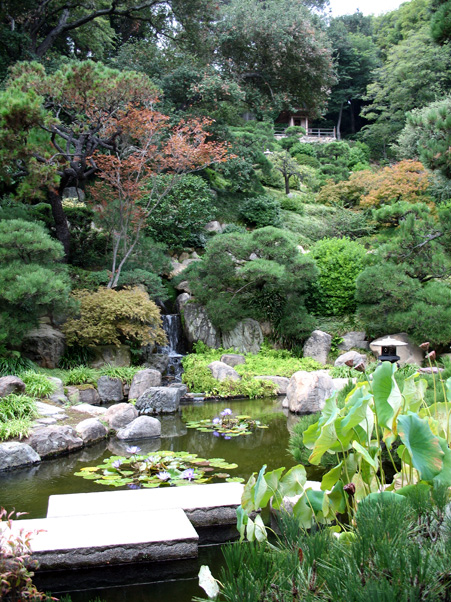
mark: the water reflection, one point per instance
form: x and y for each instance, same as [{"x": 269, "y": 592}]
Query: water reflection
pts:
[{"x": 28, "y": 489}]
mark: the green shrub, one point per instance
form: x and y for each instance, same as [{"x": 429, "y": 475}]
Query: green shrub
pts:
[
  {"x": 261, "y": 211},
  {"x": 16, "y": 415},
  {"x": 125, "y": 373},
  {"x": 292, "y": 203},
  {"x": 33, "y": 282},
  {"x": 110, "y": 317},
  {"x": 339, "y": 261},
  {"x": 81, "y": 375},
  {"x": 37, "y": 385},
  {"x": 13, "y": 363},
  {"x": 181, "y": 215},
  {"x": 304, "y": 159}
]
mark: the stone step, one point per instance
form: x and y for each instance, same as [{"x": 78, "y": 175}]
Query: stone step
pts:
[
  {"x": 100, "y": 539},
  {"x": 205, "y": 505}
]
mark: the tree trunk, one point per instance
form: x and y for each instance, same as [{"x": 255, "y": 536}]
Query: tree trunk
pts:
[
  {"x": 61, "y": 225},
  {"x": 351, "y": 109},
  {"x": 287, "y": 184},
  {"x": 340, "y": 115}
]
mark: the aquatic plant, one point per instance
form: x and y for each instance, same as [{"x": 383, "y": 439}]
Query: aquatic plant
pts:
[
  {"x": 227, "y": 425},
  {"x": 157, "y": 469}
]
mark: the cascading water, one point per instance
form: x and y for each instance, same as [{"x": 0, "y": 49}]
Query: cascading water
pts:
[{"x": 175, "y": 348}]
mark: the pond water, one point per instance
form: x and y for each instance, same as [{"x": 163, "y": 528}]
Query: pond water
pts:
[{"x": 28, "y": 490}]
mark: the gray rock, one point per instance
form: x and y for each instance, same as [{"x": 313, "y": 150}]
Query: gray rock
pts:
[
  {"x": 55, "y": 440},
  {"x": 14, "y": 454},
  {"x": 317, "y": 346},
  {"x": 47, "y": 409},
  {"x": 156, "y": 361},
  {"x": 111, "y": 355},
  {"x": 58, "y": 395},
  {"x": 159, "y": 400},
  {"x": 222, "y": 371},
  {"x": 181, "y": 387},
  {"x": 340, "y": 383},
  {"x": 281, "y": 381},
  {"x": 86, "y": 408},
  {"x": 198, "y": 327},
  {"x": 308, "y": 391},
  {"x": 354, "y": 340},
  {"x": 233, "y": 359},
  {"x": 141, "y": 428},
  {"x": 183, "y": 287},
  {"x": 44, "y": 346},
  {"x": 120, "y": 415},
  {"x": 214, "y": 226},
  {"x": 74, "y": 194},
  {"x": 408, "y": 354},
  {"x": 11, "y": 384},
  {"x": 144, "y": 379},
  {"x": 246, "y": 337},
  {"x": 110, "y": 388},
  {"x": 351, "y": 359},
  {"x": 178, "y": 268},
  {"x": 83, "y": 394},
  {"x": 181, "y": 301},
  {"x": 91, "y": 430}
]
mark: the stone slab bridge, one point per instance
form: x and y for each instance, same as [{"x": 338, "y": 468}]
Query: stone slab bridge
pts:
[{"x": 115, "y": 527}]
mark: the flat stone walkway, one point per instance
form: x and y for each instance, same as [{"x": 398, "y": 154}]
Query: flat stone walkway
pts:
[
  {"x": 205, "y": 505},
  {"x": 83, "y": 541}
]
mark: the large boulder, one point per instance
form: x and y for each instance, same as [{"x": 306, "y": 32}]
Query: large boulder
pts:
[
  {"x": 144, "y": 379},
  {"x": 198, "y": 327},
  {"x": 351, "y": 359},
  {"x": 222, "y": 371},
  {"x": 408, "y": 354},
  {"x": 86, "y": 408},
  {"x": 317, "y": 346},
  {"x": 110, "y": 389},
  {"x": 233, "y": 359},
  {"x": 156, "y": 361},
  {"x": 44, "y": 346},
  {"x": 281, "y": 381},
  {"x": 308, "y": 391},
  {"x": 58, "y": 395},
  {"x": 181, "y": 301},
  {"x": 11, "y": 384},
  {"x": 246, "y": 337},
  {"x": 120, "y": 415},
  {"x": 91, "y": 430},
  {"x": 83, "y": 394},
  {"x": 14, "y": 454},
  {"x": 111, "y": 355},
  {"x": 141, "y": 428},
  {"x": 55, "y": 440},
  {"x": 354, "y": 340},
  {"x": 159, "y": 400}
]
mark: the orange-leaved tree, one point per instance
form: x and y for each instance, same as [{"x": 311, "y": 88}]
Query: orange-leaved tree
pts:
[{"x": 150, "y": 157}]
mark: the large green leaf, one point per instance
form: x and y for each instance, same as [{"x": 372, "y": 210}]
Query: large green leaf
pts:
[
  {"x": 331, "y": 477},
  {"x": 387, "y": 396},
  {"x": 302, "y": 510},
  {"x": 356, "y": 409},
  {"x": 315, "y": 498},
  {"x": 242, "y": 519},
  {"x": 292, "y": 483},
  {"x": 444, "y": 476},
  {"x": 337, "y": 498},
  {"x": 413, "y": 393},
  {"x": 260, "y": 488},
  {"x": 272, "y": 481},
  {"x": 424, "y": 447},
  {"x": 365, "y": 454},
  {"x": 247, "y": 497},
  {"x": 440, "y": 412}
]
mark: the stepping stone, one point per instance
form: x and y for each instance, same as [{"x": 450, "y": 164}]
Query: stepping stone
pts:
[
  {"x": 212, "y": 504},
  {"x": 83, "y": 541}
]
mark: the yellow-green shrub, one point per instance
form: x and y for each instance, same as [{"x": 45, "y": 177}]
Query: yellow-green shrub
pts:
[{"x": 110, "y": 317}]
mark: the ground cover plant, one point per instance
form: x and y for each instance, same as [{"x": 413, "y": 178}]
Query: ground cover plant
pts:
[
  {"x": 267, "y": 362},
  {"x": 227, "y": 425},
  {"x": 157, "y": 469},
  {"x": 17, "y": 412}
]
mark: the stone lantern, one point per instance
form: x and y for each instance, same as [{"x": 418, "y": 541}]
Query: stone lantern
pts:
[{"x": 388, "y": 349}]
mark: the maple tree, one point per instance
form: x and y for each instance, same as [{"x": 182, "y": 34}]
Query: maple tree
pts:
[
  {"x": 129, "y": 187},
  {"x": 52, "y": 124}
]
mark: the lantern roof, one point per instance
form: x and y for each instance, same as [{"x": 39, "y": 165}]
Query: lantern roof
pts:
[{"x": 388, "y": 342}]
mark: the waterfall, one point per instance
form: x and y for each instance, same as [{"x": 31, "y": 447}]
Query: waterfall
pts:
[{"x": 175, "y": 348}]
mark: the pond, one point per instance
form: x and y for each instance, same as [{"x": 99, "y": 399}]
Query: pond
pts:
[{"x": 28, "y": 490}]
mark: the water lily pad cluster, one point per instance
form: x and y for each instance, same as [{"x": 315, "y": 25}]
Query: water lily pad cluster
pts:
[
  {"x": 157, "y": 469},
  {"x": 227, "y": 425}
]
